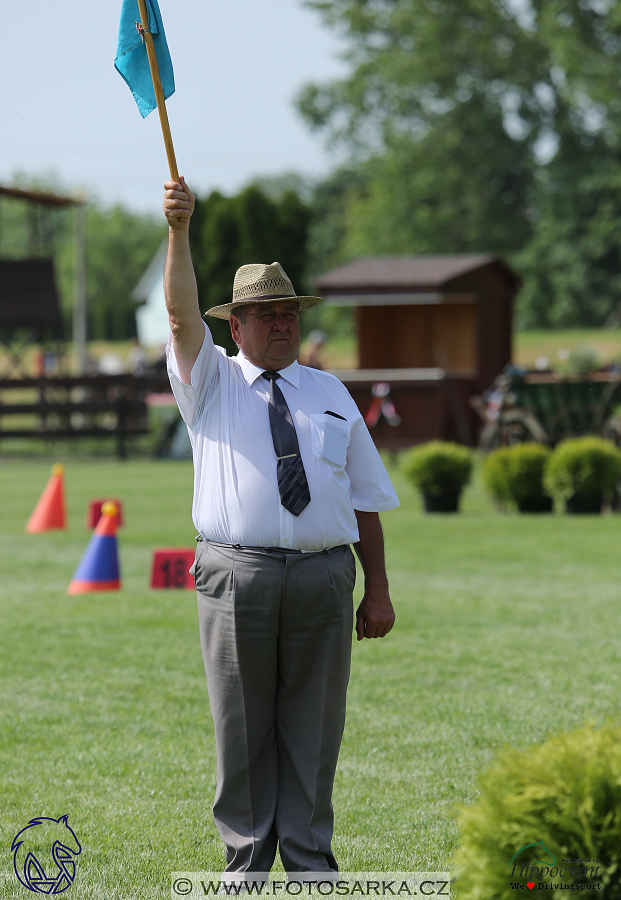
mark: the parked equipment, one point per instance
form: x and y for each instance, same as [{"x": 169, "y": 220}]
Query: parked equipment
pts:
[{"x": 543, "y": 406}]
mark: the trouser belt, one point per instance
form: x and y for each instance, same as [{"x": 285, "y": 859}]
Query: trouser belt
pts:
[{"x": 200, "y": 538}]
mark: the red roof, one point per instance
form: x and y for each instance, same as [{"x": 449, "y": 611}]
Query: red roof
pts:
[{"x": 408, "y": 272}]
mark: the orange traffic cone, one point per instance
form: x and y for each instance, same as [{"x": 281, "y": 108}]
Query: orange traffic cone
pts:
[
  {"x": 99, "y": 567},
  {"x": 50, "y": 512}
]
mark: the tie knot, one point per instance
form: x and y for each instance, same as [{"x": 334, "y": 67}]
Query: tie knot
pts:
[{"x": 270, "y": 375}]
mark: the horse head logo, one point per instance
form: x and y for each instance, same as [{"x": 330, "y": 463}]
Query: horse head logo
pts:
[
  {"x": 44, "y": 855},
  {"x": 538, "y": 847}
]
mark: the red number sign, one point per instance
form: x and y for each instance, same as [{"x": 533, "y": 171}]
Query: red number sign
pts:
[{"x": 171, "y": 568}]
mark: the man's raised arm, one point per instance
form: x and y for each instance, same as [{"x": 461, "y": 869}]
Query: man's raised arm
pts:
[{"x": 180, "y": 288}]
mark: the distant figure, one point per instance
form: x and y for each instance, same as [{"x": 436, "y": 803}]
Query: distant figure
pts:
[
  {"x": 46, "y": 363},
  {"x": 136, "y": 359},
  {"x": 312, "y": 357}
]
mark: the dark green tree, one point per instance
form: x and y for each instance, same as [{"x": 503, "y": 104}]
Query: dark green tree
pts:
[
  {"x": 332, "y": 198},
  {"x": 572, "y": 264},
  {"x": 228, "y": 232}
]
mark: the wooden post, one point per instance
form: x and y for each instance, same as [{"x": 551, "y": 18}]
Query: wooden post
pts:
[
  {"x": 159, "y": 93},
  {"x": 79, "y": 302}
]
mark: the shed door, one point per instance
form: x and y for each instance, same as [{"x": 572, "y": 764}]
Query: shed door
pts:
[
  {"x": 454, "y": 338},
  {"x": 418, "y": 337}
]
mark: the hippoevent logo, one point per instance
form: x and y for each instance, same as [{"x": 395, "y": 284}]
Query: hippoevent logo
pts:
[
  {"x": 45, "y": 855},
  {"x": 537, "y": 848},
  {"x": 546, "y": 874}
]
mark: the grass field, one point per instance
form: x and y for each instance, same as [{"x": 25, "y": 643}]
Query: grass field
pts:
[
  {"x": 528, "y": 345},
  {"x": 507, "y": 629}
]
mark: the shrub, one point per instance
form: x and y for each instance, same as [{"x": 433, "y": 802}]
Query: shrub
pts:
[
  {"x": 439, "y": 467},
  {"x": 566, "y": 794},
  {"x": 496, "y": 474},
  {"x": 514, "y": 475},
  {"x": 583, "y": 467}
]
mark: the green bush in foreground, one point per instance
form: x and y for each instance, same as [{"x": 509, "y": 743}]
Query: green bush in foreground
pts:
[
  {"x": 583, "y": 467},
  {"x": 514, "y": 476},
  {"x": 438, "y": 467},
  {"x": 565, "y": 793}
]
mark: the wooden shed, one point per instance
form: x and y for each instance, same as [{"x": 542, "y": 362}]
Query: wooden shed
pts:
[
  {"x": 29, "y": 304},
  {"x": 436, "y": 329},
  {"x": 28, "y": 296}
]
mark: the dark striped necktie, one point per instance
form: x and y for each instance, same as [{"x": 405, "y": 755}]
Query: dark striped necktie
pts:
[{"x": 292, "y": 484}]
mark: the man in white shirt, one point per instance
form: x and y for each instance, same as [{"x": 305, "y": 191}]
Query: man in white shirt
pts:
[{"x": 286, "y": 478}]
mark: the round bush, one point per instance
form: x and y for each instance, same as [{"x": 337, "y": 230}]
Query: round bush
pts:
[
  {"x": 496, "y": 474},
  {"x": 439, "y": 467},
  {"x": 566, "y": 794},
  {"x": 583, "y": 467},
  {"x": 514, "y": 475}
]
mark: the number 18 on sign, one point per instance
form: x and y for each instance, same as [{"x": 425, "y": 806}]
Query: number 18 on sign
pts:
[{"x": 171, "y": 568}]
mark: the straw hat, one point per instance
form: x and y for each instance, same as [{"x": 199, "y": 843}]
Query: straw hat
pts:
[{"x": 258, "y": 283}]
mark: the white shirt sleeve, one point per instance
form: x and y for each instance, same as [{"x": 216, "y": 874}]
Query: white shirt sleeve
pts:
[
  {"x": 191, "y": 398},
  {"x": 371, "y": 488}
]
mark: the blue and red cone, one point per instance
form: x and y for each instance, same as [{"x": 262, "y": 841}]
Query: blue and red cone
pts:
[{"x": 99, "y": 567}]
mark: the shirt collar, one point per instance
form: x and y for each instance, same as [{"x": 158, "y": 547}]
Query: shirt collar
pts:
[{"x": 252, "y": 372}]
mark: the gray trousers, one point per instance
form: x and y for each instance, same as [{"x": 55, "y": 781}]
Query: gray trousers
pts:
[{"x": 276, "y": 630}]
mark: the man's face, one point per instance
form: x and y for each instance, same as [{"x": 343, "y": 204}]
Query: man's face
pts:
[{"x": 270, "y": 336}]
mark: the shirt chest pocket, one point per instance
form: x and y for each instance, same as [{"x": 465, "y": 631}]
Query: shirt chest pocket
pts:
[{"x": 330, "y": 438}]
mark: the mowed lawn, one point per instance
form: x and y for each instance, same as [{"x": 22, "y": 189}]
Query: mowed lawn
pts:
[{"x": 508, "y": 629}]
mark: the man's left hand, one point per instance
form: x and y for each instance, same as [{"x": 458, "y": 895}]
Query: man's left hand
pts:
[{"x": 375, "y": 616}]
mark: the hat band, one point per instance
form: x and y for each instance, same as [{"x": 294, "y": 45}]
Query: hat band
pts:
[{"x": 263, "y": 297}]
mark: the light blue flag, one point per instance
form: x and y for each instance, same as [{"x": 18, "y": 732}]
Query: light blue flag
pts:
[{"x": 131, "y": 60}]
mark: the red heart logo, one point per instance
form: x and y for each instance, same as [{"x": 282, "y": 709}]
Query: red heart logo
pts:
[{"x": 530, "y": 885}]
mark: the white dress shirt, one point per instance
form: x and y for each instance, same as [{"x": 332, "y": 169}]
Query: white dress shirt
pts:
[{"x": 236, "y": 499}]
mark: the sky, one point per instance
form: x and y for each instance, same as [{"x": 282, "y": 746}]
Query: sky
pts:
[{"x": 238, "y": 65}]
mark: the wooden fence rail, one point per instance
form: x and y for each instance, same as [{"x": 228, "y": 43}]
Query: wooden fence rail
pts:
[{"x": 89, "y": 406}]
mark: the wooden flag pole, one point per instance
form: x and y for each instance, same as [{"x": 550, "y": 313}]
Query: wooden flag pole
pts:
[{"x": 159, "y": 93}]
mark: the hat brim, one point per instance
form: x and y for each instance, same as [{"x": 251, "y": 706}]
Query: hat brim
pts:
[{"x": 225, "y": 310}]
